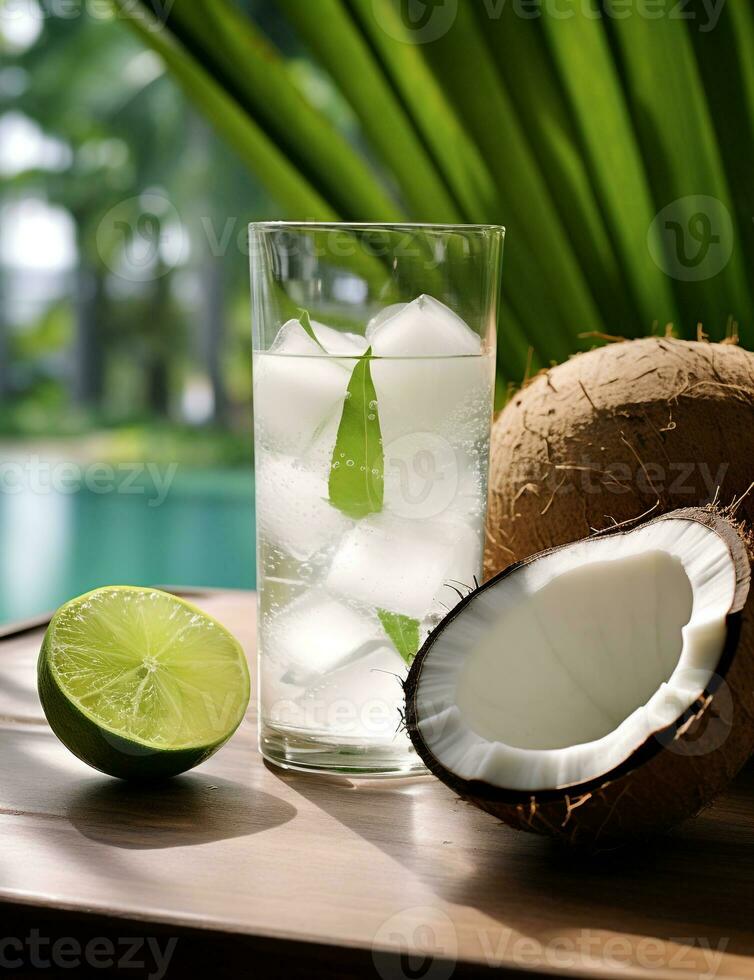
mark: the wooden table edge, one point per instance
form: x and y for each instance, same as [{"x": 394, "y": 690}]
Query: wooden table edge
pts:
[{"x": 208, "y": 943}]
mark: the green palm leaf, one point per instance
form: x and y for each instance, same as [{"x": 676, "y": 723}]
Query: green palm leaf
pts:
[
  {"x": 334, "y": 39},
  {"x": 574, "y": 131},
  {"x": 530, "y": 215},
  {"x": 725, "y": 60},
  {"x": 224, "y": 38},
  {"x": 591, "y": 83},
  {"x": 522, "y": 60},
  {"x": 292, "y": 190},
  {"x": 468, "y": 174},
  {"x": 682, "y": 157}
]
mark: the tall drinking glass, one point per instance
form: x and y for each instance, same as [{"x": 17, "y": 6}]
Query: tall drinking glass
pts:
[{"x": 374, "y": 363}]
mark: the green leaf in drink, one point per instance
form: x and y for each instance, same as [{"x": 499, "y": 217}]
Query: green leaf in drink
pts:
[
  {"x": 403, "y": 631},
  {"x": 306, "y": 322},
  {"x": 357, "y": 469}
]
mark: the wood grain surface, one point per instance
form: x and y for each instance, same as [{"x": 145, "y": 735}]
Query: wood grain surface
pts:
[{"x": 252, "y": 871}]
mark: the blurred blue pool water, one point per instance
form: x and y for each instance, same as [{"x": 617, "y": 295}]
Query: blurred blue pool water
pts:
[{"x": 56, "y": 545}]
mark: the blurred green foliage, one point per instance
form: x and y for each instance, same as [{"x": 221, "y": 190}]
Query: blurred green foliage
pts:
[{"x": 148, "y": 326}]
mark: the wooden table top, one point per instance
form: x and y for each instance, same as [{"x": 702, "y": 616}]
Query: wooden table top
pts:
[{"x": 239, "y": 863}]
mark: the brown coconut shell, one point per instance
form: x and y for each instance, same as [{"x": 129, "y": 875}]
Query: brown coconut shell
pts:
[
  {"x": 674, "y": 774},
  {"x": 634, "y": 428}
]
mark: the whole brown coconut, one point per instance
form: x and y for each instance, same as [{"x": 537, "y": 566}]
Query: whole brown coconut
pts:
[{"x": 638, "y": 427}]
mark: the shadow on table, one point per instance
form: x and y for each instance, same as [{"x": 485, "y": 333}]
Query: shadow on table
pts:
[
  {"x": 692, "y": 887},
  {"x": 382, "y": 811},
  {"x": 179, "y": 812}
]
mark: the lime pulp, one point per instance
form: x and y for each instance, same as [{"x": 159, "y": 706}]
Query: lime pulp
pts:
[{"x": 140, "y": 683}]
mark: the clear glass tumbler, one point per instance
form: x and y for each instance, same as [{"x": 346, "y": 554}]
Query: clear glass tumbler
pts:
[{"x": 374, "y": 364}]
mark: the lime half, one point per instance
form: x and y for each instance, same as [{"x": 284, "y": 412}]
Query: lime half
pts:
[{"x": 141, "y": 684}]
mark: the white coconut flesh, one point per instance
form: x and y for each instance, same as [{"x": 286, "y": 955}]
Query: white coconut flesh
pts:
[{"x": 555, "y": 674}]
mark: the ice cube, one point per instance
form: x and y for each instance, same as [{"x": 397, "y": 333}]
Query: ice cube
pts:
[
  {"x": 293, "y": 511},
  {"x": 385, "y": 314},
  {"x": 423, "y": 328},
  {"x": 448, "y": 396},
  {"x": 362, "y": 699},
  {"x": 318, "y": 455},
  {"x": 343, "y": 344},
  {"x": 297, "y": 389},
  {"x": 293, "y": 339},
  {"x": 464, "y": 571},
  {"x": 424, "y": 376},
  {"x": 401, "y": 565},
  {"x": 317, "y": 634}
]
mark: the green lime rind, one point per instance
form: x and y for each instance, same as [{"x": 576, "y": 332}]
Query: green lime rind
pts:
[
  {"x": 164, "y": 743},
  {"x": 106, "y": 750}
]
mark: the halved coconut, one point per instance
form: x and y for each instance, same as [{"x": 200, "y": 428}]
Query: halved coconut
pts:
[{"x": 600, "y": 690}]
